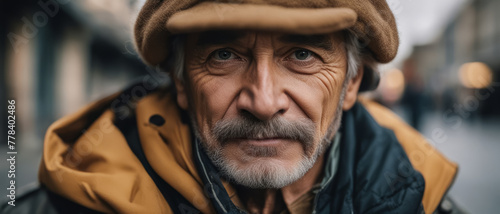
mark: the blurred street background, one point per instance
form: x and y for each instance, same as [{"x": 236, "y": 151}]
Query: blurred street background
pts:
[{"x": 445, "y": 81}]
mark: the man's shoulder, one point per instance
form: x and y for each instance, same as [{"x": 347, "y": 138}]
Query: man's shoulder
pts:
[
  {"x": 437, "y": 171},
  {"x": 95, "y": 142},
  {"x": 377, "y": 167}
]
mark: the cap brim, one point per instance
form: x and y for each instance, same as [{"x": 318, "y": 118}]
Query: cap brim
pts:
[{"x": 225, "y": 16}]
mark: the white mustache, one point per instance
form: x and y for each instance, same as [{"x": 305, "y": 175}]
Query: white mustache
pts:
[{"x": 249, "y": 127}]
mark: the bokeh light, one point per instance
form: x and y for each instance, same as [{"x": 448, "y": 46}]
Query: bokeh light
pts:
[
  {"x": 475, "y": 75},
  {"x": 392, "y": 85}
]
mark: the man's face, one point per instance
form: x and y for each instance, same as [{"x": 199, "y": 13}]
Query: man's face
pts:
[{"x": 266, "y": 105}]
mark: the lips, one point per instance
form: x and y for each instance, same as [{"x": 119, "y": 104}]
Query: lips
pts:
[
  {"x": 271, "y": 138},
  {"x": 260, "y": 138},
  {"x": 260, "y": 141},
  {"x": 261, "y": 147}
]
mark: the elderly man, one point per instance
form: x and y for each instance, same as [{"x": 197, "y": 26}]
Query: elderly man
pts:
[{"x": 262, "y": 117}]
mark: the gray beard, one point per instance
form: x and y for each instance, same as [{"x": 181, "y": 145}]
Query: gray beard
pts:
[{"x": 267, "y": 175}]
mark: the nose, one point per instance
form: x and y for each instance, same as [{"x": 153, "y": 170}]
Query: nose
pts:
[{"x": 263, "y": 93}]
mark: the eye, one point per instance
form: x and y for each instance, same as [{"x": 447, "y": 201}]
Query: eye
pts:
[
  {"x": 223, "y": 54},
  {"x": 302, "y": 54}
]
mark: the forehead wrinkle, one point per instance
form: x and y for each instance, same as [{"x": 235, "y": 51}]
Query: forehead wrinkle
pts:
[
  {"x": 218, "y": 37},
  {"x": 322, "y": 41}
]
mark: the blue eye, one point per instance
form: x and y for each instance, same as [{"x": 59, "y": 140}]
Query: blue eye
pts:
[
  {"x": 302, "y": 54},
  {"x": 223, "y": 54}
]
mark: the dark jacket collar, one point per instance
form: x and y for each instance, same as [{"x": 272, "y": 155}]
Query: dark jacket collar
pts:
[{"x": 374, "y": 174}]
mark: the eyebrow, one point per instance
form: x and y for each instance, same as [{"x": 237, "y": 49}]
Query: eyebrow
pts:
[
  {"x": 318, "y": 41},
  {"x": 218, "y": 37}
]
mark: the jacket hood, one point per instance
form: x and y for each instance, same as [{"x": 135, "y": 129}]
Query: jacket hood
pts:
[{"x": 87, "y": 159}]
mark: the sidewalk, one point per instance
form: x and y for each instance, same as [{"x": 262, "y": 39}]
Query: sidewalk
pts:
[{"x": 475, "y": 146}]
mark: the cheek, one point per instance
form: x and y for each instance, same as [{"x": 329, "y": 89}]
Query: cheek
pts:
[
  {"x": 212, "y": 97},
  {"x": 332, "y": 88},
  {"x": 318, "y": 95}
]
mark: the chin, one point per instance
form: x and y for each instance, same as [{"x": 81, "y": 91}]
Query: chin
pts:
[
  {"x": 269, "y": 171},
  {"x": 265, "y": 173},
  {"x": 263, "y": 167}
]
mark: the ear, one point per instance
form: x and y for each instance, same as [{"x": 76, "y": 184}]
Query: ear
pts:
[
  {"x": 181, "y": 93},
  {"x": 351, "y": 95}
]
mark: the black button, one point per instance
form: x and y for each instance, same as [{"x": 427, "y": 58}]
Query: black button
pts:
[{"x": 157, "y": 120}]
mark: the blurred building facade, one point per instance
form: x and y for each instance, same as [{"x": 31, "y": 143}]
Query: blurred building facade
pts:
[
  {"x": 473, "y": 36},
  {"x": 58, "y": 55}
]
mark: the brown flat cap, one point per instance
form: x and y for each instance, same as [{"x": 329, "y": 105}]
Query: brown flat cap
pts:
[{"x": 371, "y": 20}]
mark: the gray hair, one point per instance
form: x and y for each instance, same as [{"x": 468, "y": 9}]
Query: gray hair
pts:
[{"x": 357, "y": 55}]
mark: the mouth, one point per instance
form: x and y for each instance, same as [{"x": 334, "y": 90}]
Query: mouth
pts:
[
  {"x": 264, "y": 142},
  {"x": 261, "y": 147}
]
